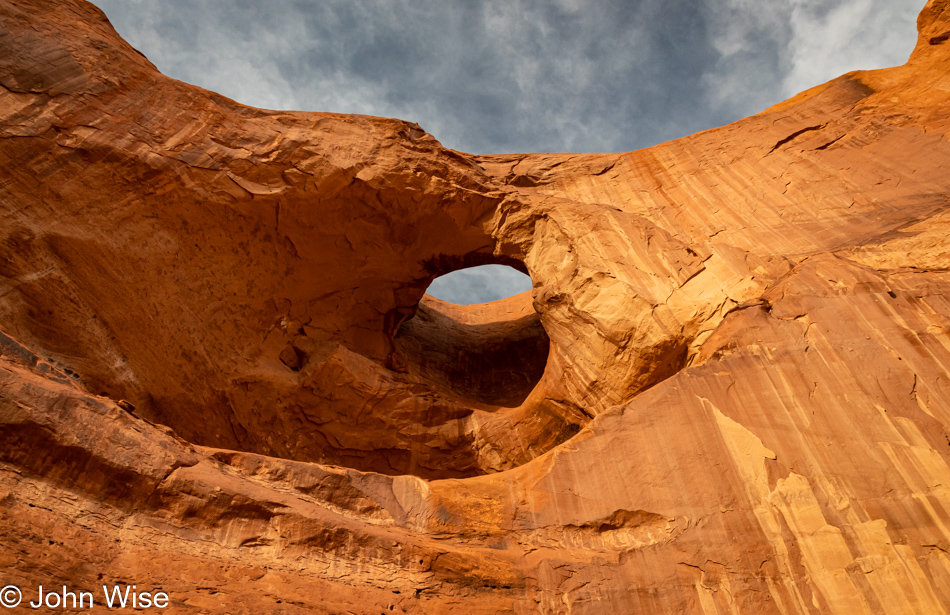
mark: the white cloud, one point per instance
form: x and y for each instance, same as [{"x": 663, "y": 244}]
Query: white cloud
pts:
[
  {"x": 773, "y": 49},
  {"x": 852, "y": 35}
]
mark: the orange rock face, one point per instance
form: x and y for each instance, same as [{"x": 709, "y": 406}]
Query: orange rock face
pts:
[{"x": 220, "y": 377}]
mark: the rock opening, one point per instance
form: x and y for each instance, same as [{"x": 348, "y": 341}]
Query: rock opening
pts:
[
  {"x": 481, "y": 284},
  {"x": 490, "y": 353}
]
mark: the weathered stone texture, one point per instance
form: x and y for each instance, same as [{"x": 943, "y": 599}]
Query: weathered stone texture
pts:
[{"x": 727, "y": 392}]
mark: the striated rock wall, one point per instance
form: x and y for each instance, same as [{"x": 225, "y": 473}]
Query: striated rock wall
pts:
[{"x": 727, "y": 392}]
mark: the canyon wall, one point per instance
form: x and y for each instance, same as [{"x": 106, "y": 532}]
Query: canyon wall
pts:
[{"x": 727, "y": 392}]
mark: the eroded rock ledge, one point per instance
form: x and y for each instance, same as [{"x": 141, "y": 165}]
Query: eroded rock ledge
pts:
[{"x": 727, "y": 391}]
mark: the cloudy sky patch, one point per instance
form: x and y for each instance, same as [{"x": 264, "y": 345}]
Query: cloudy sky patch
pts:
[
  {"x": 496, "y": 76},
  {"x": 479, "y": 284}
]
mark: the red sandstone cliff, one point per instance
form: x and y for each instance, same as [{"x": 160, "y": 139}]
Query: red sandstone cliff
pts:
[{"x": 728, "y": 391}]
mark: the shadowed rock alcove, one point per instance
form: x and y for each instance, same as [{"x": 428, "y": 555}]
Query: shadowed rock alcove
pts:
[{"x": 492, "y": 353}]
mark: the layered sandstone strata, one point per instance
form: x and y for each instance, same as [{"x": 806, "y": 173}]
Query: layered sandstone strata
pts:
[{"x": 727, "y": 392}]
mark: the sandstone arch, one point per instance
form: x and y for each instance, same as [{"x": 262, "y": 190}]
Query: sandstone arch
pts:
[{"x": 744, "y": 407}]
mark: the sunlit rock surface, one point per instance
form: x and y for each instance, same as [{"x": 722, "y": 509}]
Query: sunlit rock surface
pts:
[{"x": 727, "y": 392}]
